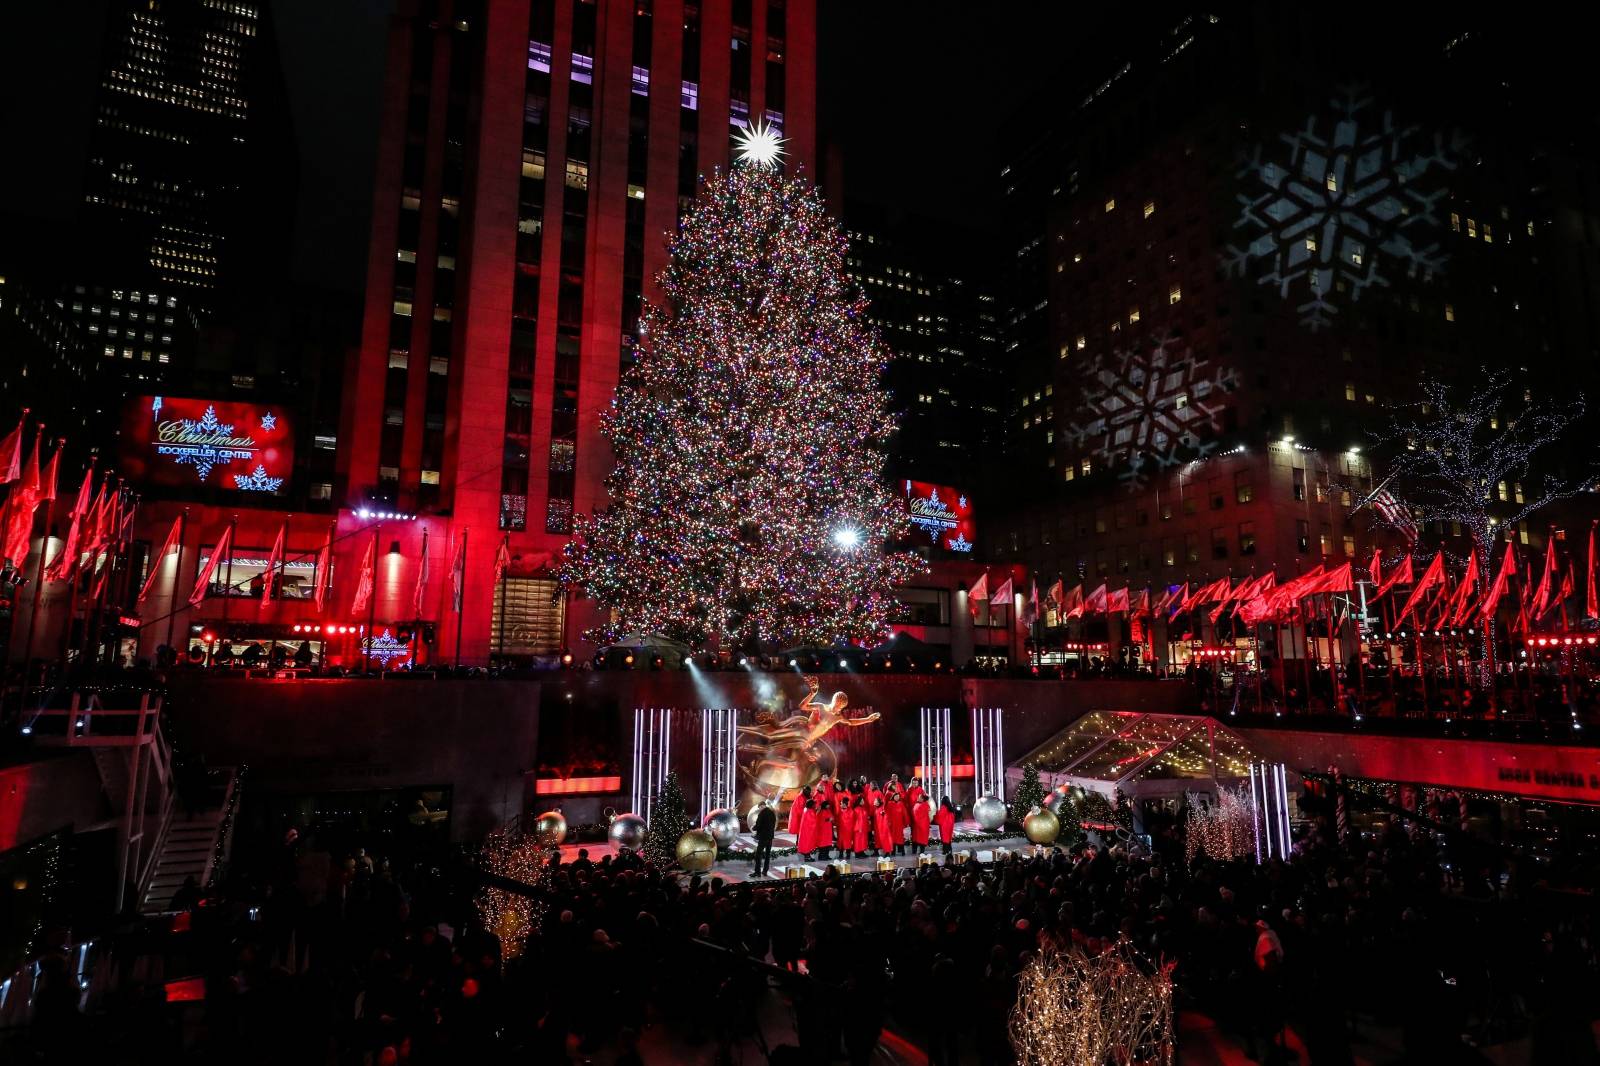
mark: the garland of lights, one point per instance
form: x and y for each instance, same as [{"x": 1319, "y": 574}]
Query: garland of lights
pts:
[
  {"x": 1075, "y": 1008},
  {"x": 512, "y": 854},
  {"x": 748, "y": 502},
  {"x": 224, "y": 827},
  {"x": 1224, "y": 829}
]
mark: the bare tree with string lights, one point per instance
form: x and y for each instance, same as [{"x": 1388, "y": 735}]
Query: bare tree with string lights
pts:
[{"x": 1452, "y": 449}]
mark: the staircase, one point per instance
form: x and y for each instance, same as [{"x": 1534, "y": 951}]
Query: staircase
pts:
[{"x": 190, "y": 849}]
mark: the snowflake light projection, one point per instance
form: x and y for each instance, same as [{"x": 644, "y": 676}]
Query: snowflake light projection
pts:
[
  {"x": 1346, "y": 209},
  {"x": 257, "y": 481},
  {"x": 208, "y": 424},
  {"x": 385, "y": 648},
  {"x": 1143, "y": 412}
]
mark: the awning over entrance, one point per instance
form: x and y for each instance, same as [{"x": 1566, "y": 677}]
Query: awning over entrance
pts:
[{"x": 1143, "y": 754}]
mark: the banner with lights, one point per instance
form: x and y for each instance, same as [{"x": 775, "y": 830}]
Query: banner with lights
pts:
[
  {"x": 941, "y": 515},
  {"x": 183, "y": 442}
]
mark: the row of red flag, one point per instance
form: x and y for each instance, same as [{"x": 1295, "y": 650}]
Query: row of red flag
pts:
[{"x": 1433, "y": 599}]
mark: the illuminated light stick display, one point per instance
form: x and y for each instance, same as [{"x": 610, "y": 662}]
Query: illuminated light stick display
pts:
[
  {"x": 1269, "y": 798},
  {"x": 934, "y": 752},
  {"x": 987, "y": 753},
  {"x": 652, "y": 747},
  {"x": 748, "y": 504}
]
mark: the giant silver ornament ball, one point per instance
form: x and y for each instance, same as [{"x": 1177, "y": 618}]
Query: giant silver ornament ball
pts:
[
  {"x": 627, "y": 832},
  {"x": 723, "y": 824},
  {"x": 1055, "y": 799},
  {"x": 989, "y": 812},
  {"x": 750, "y": 815}
]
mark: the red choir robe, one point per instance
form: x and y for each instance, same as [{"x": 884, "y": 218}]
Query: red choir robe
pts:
[
  {"x": 797, "y": 805},
  {"x": 919, "y": 822},
  {"x": 862, "y": 819},
  {"x": 914, "y": 793},
  {"x": 880, "y": 826},
  {"x": 842, "y": 819},
  {"x": 807, "y": 842},
  {"x": 946, "y": 821},
  {"x": 895, "y": 806},
  {"x": 824, "y": 797}
]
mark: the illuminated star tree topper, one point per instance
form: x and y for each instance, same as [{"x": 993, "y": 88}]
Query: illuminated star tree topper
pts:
[
  {"x": 748, "y": 503},
  {"x": 760, "y": 146}
]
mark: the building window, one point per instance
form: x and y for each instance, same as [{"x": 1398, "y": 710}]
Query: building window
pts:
[
  {"x": 1502, "y": 491},
  {"x": 1080, "y": 342},
  {"x": 1349, "y": 390},
  {"x": 1175, "y": 294},
  {"x": 1219, "y": 543},
  {"x": 1191, "y": 547},
  {"x": 1133, "y": 315},
  {"x": 1302, "y": 536},
  {"x": 1169, "y": 552},
  {"x": 1247, "y": 538},
  {"x": 528, "y": 618},
  {"x": 1349, "y": 545},
  {"x": 1325, "y": 539},
  {"x": 1244, "y": 489},
  {"x": 1086, "y": 467},
  {"x": 1516, "y": 491},
  {"x": 1149, "y": 208},
  {"x": 1449, "y": 312},
  {"x": 1111, "y": 205}
]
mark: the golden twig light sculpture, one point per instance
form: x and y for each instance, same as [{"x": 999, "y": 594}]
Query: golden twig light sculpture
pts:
[{"x": 1076, "y": 1008}]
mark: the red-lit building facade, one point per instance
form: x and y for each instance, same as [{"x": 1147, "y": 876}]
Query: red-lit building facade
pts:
[{"x": 533, "y": 158}]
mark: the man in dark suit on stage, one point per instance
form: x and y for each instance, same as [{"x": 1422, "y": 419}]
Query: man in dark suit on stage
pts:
[{"x": 766, "y": 825}]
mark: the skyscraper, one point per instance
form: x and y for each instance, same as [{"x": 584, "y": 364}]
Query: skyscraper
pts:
[{"x": 533, "y": 158}]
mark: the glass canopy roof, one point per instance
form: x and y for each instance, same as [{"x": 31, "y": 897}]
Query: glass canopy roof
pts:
[{"x": 1118, "y": 747}]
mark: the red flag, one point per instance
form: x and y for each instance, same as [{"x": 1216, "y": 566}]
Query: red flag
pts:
[
  {"x": 269, "y": 580},
  {"x": 1402, "y": 575},
  {"x": 363, "y": 594},
  {"x": 1056, "y": 595},
  {"x": 1547, "y": 589},
  {"x": 1591, "y": 602},
  {"x": 66, "y": 562},
  {"x": 1141, "y": 603},
  {"x": 1118, "y": 601},
  {"x": 1375, "y": 568},
  {"x": 52, "y": 474},
  {"x": 202, "y": 585},
  {"x": 19, "y": 510},
  {"x": 978, "y": 593},
  {"x": 1073, "y": 604},
  {"x": 1432, "y": 576},
  {"x": 1568, "y": 587},
  {"x": 1095, "y": 602},
  {"x": 1002, "y": 595},
  {"x": 324, "y": 571},
  {"x": 1464, "y": 600},
  {"x": 1172, "y": 600},
  {"x": 422, "y": 578},
  {"x": 11, "y": 452},
  {"x": 160, "y": 557},
  {"x": 1508, "y": 570},
  {"x": 1336, "y": 580},
  {"x": 458, "y": 573}
]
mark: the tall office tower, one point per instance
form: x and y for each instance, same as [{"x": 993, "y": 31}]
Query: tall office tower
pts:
[
  {"x": 534, "y": 156},
  {"x": 1260, "y": 230},
  {"x": 941, "y": 327},
  {"x": 187, "y": 179}
]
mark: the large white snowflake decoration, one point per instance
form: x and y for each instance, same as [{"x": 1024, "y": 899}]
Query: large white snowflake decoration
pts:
[
  {"x": 269, "y": 421},
  {"x": 1346, "y": 209},
  {"x": 203, "y": 462},
  {"x": 257, "y": 481},
  {"x": 1142, "y": 412}
]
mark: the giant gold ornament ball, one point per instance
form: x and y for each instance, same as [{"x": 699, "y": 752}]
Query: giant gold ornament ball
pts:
[
  {"x": 1041, "y": 826},
  {"x": 627, "y": 832},
  {"x": 697, "y": 851},
  {"x": 989, "y": 812},
  {"x": 724, "y": 825},
  {"x": 550, "y": 828}
]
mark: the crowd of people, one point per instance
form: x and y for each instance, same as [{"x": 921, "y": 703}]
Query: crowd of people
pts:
[{"x": 353, "y": 960}]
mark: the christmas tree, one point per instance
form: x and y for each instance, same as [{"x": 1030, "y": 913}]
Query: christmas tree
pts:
[
  {"x": 669, "y": 820},
  {"x": 749, "y": 505},
  {"x": 1029, "y": 794}
]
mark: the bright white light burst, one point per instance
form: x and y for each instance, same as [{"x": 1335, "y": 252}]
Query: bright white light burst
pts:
[
  {"x": 847, "y": 537},
  {"x": 760, "y": 145}
]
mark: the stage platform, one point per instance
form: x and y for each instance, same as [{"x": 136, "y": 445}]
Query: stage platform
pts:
[{"x": 737, "y": 871}]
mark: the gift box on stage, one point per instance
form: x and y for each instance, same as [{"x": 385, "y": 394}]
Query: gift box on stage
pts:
[
  {"x": 839, "y": 866},
  {"x": 885, "y": 865},
  {"x": 924, "y": 859},
  {"x": 960, "y": 858},
  {"x": 794, "y": 873}
]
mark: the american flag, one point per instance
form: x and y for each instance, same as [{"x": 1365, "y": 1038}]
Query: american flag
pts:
[{"x": 1395, "y": 513}]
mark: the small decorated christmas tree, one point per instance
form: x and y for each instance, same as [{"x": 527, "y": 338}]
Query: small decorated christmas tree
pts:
[
  {"x": 1029, "y": 794},
  {"x": 669, "y": 820}
]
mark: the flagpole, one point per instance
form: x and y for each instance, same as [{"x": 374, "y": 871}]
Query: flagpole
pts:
[
  {"x": 372, "y": 602},
  {"x": 455, "y": 598},
  {"x": 177, "y": 578},
  {"x": 38, "y": 582}
]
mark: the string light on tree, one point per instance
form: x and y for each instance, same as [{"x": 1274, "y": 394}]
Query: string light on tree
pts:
[
  {"x": 1083, "y": 1006},
  {"x": 748, "y": 502}
]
